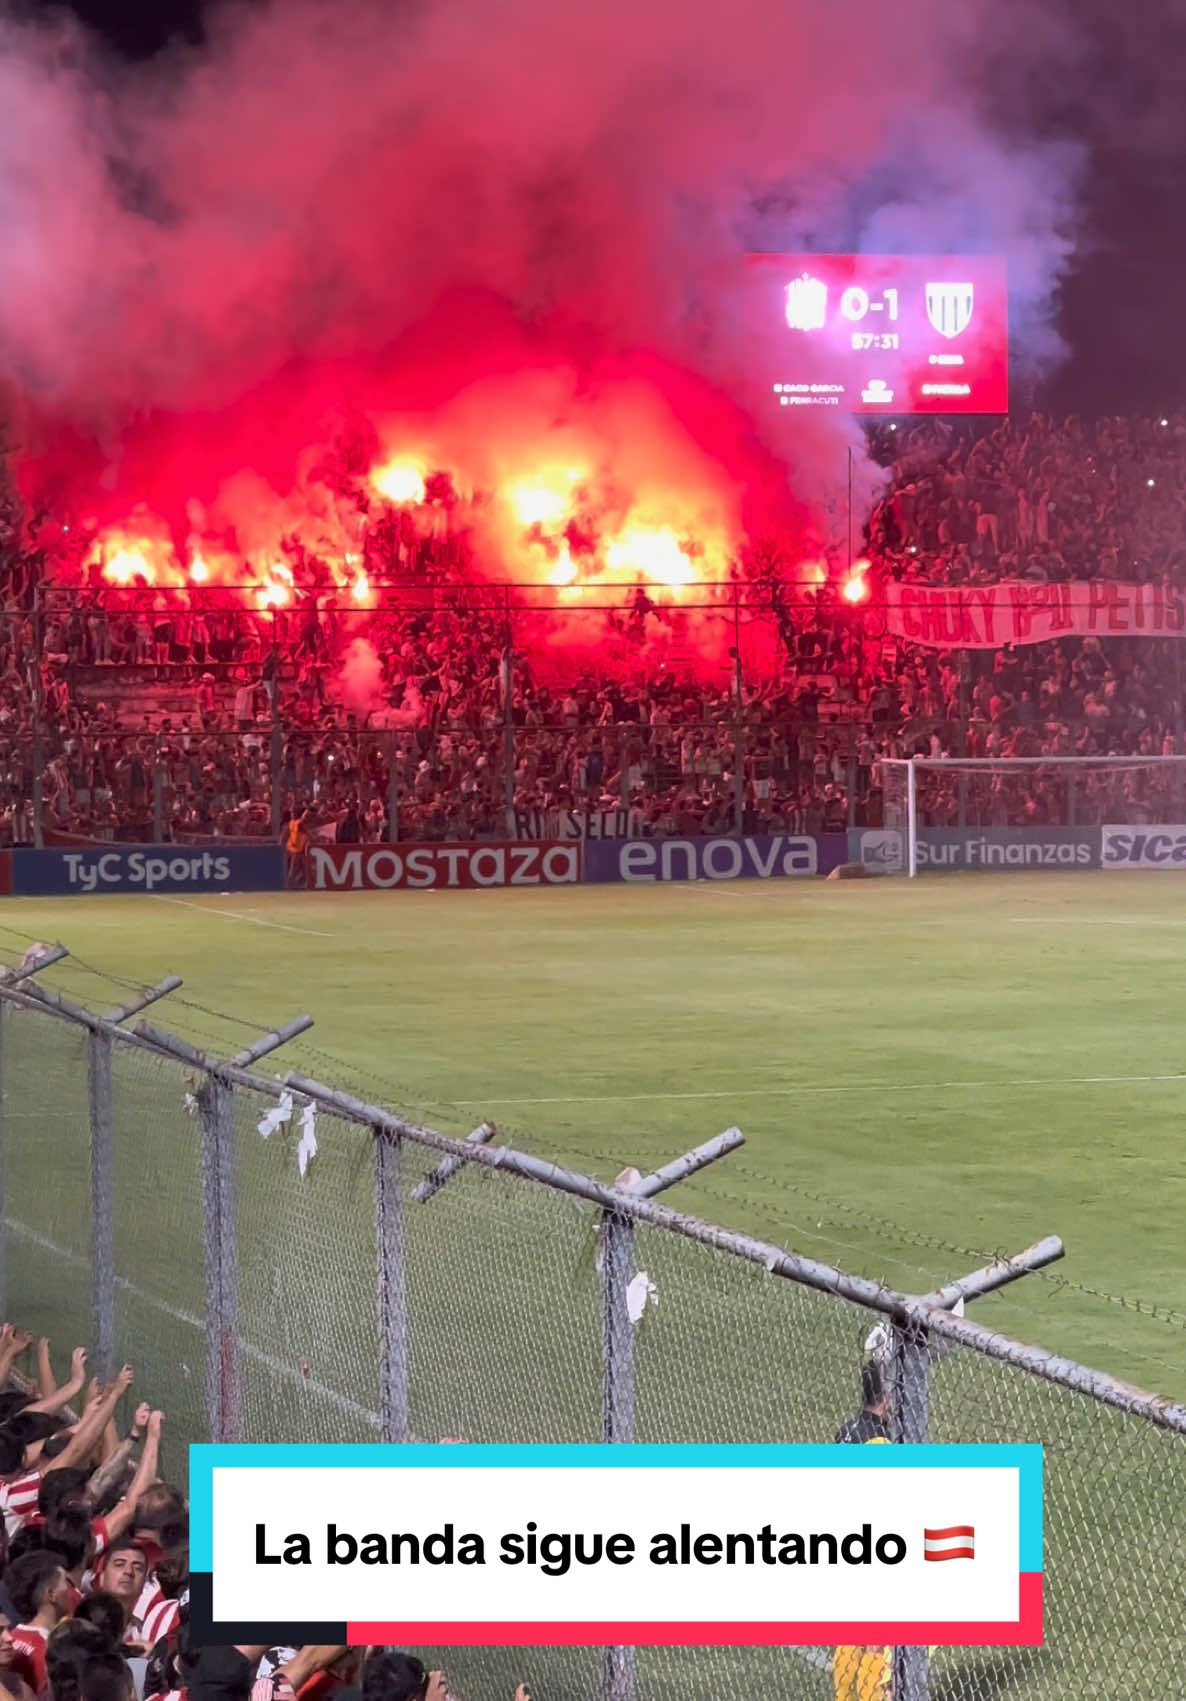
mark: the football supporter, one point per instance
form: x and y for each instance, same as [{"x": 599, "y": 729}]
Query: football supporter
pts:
[
  {"x": 39, "y": 1589},
  {"x": 628, "y": 722},
  {"x": 865, "y": 1674}
]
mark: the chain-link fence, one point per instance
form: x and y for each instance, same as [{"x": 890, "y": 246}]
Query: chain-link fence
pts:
[{"x": 282, "y": 1262}]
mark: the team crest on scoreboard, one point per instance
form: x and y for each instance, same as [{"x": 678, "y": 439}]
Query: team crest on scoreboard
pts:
[
  {"x": 807, "y": 303},
  {"x": 949, "y": 307}
]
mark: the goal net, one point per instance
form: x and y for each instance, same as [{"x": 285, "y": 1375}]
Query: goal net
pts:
[{"x": 934, "y": 808}]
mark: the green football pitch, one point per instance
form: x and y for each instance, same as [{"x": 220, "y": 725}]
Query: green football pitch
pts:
[{"x": 925, "y": 1073}]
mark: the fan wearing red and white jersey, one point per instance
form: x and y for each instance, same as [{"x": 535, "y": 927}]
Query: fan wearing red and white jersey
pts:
[
  {"x": 40, "y": 1591},
  {"x": 22, "y": 1464}
]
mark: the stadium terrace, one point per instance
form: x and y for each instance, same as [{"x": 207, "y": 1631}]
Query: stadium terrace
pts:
[{"x": 442, "y": 704}]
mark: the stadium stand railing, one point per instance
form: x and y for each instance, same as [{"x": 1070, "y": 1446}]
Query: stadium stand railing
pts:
[{"x": 300, "y": 1265}]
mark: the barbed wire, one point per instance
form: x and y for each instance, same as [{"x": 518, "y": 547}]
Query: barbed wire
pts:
[{"x": 402, "y": 1096}]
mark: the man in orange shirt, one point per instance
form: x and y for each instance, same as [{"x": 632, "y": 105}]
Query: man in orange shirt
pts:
[{"x": 296, "y": 845}]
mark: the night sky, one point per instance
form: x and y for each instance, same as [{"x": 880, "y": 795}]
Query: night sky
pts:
[{"x": 1122, "y": 306}]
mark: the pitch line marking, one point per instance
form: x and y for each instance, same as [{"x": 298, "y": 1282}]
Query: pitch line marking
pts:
[
  {"x": 287, "y": 1372},
  {"x": 841, "y": 1087},
  {"x": 243, "y": 915},
  {"x": 1102, "y": 920}
]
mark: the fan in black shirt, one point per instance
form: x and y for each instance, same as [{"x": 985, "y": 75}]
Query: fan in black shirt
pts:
[{"x": 870, "y": 1422}]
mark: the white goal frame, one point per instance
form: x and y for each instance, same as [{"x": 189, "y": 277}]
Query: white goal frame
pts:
[{"x": 910, "y": 766}]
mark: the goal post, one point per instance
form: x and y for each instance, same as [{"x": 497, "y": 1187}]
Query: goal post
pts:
[{"x": 1062, "y": 794}]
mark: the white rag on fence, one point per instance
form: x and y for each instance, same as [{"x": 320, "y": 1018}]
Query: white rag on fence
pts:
[
  {"x": 281, "y": 1113},
  {"x": 640, "y": 1292},
  {"x": 307, "y": 1150}
]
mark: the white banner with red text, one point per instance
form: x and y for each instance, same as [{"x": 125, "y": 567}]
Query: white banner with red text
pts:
[
  {"x": 1014, "y": 611},
  {"x": 436, "y": 867}
]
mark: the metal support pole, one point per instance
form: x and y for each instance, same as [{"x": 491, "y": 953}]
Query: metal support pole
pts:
[
  {"x": 271, "y": 1042},
  {"x": 616, "y": 1256},
  {"x": 150, "y": 995},
  {"x": 393, "y": 757},
  {"x": 617, "y": 1674},
  {"x": 158, "y": 794},
  {"x": 276, "y": 761},
  {"x": 508, "y": 726},
  {"x": 616, "y": 1260},
  {"x": 38, "y": 695},
  {"x": 276, "y": 740},
  {"x": 911, "y": 820},
  {"x": 3, "y": 1163},
  {"x": 617, "y": 1338},
  {"x": 998, "y": 1274},
  {"x": 102, "y": 1203},
  {"x": 10, "y": 977},
  {"x": 909, "y": 1427},
  {"x": 776, "y": 1260},
  {"x": 391, "y": 1293},
  {"x": 432, "y": 1183},
  {"x": 216, "y": 1104},
  {"x": 738, "y": 725},
  {"x": 850, "y": 548},
  {"x": 679, "y": 1169}
]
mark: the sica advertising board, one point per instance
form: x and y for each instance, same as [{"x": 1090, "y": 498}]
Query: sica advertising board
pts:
[
  {"x": 759, "y": 856},
  {"x": 438, "y": 867},
  {"x": 148, "y": 868},
  {"x": 1143, "y": 847},
  {"x": 883, "y": 849}
]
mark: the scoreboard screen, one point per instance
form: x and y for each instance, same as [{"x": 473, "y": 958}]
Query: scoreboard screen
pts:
[{"x": 882, "y": 333}]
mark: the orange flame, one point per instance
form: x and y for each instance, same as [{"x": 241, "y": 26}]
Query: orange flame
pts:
[
  {"x": 401, "y": 482},
  {"x": 856, "y": 587},
  {"x": 126, "y": 565},
  {"x": 651, "y": 553},
  {"x": 537, "y": 503}
]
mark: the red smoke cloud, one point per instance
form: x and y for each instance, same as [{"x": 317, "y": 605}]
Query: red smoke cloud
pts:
[{"x": 498, "y": 237}]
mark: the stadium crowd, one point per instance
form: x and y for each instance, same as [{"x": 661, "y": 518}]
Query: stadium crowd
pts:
[
  {"x": 94, "y": 1563},
  {"x": 434, "y": 716}
]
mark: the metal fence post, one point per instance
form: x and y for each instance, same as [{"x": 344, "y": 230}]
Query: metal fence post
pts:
[
  {"x": 617, "y": 1397},
  {"x": 911, "y": 1392},
  {"x": 3, "y": 1164},
  {"x": 216, "y": 1105},
  {"x": 158, "y": 793},
  {"x": 391, "y": 1287},
  {"x": 102, "y": 1203},
  {"x": 617, "y": 1337},
  {"x": 393, "y": 760}
]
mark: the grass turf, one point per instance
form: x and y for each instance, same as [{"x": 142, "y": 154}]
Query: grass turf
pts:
[{"x": 924, "y": 1073}]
